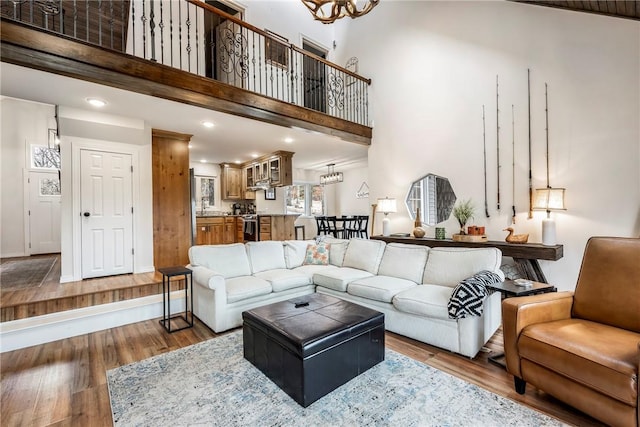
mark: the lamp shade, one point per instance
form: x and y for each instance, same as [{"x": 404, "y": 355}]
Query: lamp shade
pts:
[
  {"x": 387, "y": 205},
  {"x": 550, "y": 199}
]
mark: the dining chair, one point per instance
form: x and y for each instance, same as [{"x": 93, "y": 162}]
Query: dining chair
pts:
[
  {"x": 350, "y": 227},
  {"x": 332, "y": 223},
  {"x": 323, "y": 225},
  {"x": 363, "y": 226}
]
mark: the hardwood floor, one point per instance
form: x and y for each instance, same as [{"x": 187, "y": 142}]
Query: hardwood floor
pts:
[
  {"x": 63, "y": 383},
  {"x": 53, "y": 296}
]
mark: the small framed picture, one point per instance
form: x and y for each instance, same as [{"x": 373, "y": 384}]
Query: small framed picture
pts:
[{"x": 270, "y": 194}]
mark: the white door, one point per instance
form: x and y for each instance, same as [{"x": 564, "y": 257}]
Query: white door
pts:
[
  {"x": 107, "y": 217},
  {"x": 44, "y": 212}
]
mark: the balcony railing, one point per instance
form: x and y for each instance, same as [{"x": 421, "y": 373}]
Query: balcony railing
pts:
[{"x": 200, "y": 39}]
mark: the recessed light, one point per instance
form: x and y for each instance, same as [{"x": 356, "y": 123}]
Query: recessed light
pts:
[
  {"x": 254, "y": 155},
  {"x": 207, "y": 124},
  {"x": 189, "y": 146},
  {"x": 237, "y": 162},
  {"x": 99, "y": 103},
  {"x": 288, "y": 140},
  {"x": 203, "y": 161}
]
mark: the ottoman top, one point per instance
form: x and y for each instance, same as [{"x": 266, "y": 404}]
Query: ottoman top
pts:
[{"x": 312, "y": 323}]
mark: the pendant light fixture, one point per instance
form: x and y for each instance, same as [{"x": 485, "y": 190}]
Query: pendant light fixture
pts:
[
  {"x": 331, "y": 177},
  {"x": 327, "y": 11}
]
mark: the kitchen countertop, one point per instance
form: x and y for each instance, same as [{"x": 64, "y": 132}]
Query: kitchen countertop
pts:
[{"x": 240, "y": 216}]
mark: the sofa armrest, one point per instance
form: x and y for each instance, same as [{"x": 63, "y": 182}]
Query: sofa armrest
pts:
[
  {"x": 209, "y": 279},
  {"x": 518, "y": 313}
]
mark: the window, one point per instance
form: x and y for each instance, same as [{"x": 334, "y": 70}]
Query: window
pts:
[
  {"x": 43, "y": 157},
  {"x": 306, "y": 199},
  {"x": 49, "y": 187}
]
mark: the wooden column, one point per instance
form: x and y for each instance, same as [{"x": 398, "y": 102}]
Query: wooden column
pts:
[{"x": 171, "y": 199}]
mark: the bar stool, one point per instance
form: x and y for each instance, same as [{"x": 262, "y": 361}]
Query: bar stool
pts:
[{"x": 295, "y": 232}]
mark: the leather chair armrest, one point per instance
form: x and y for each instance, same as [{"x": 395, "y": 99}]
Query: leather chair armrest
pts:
[{"x": 520, "y": 312}]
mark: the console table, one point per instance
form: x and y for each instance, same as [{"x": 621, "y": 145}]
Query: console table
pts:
[{"x": 525, "y": 255}]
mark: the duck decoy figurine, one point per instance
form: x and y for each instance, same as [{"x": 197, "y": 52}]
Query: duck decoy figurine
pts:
[{"x": 515, "y": 238}]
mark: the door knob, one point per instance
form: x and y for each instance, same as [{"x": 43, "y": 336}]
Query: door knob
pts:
[{"x": 86, "y": 214}]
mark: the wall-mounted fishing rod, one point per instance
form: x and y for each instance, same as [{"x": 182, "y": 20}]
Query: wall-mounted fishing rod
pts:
[
  {"x": 513, "y": 166},
  {"x": 498, "y": 139},
  {"x": 530, "y": 178},
  {"x": 484, "y": 151}
]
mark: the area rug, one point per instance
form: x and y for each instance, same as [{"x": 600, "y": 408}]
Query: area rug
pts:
[
  {"x": 211, "y": 384},
  {"x": 25, "y": 273}
]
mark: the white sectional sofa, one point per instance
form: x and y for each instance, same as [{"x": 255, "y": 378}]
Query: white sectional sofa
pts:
[{"x": 410, "y": 284}]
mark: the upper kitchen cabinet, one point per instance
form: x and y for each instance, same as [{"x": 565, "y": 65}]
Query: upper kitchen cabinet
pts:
[
  {"x": 231, "y": 182},
  {"x": 272, "y": 170}
]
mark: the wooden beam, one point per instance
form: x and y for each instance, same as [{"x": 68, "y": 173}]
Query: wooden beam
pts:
[{"x": 31, "y": 48}]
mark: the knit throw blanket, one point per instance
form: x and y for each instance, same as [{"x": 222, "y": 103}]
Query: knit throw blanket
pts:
[{"x": 467, "y": 298}]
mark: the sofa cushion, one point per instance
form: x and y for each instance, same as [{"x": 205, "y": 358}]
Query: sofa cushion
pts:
[
  {"x": 338, "y": 278},
  {"x": 228, "y": 260},
  {"x": 266, "y": 255},
  {"x": 244, "y": 287},
  {"x": 310, "y": 270},
  {"x": 338, "y": 249},
  {"x": 317, "y": 254},
  {"x": 283, "y": 279},
  {"x": 424, "y": 300},
  {"x": 379, "y": 288},
  {"x": 364, "y": 254},
  {"x": 601, "y": 357},
  {"x": 450, "y": 266},
  {"x": 404, "y": 261},
  {"x": 294, "y": 252}
]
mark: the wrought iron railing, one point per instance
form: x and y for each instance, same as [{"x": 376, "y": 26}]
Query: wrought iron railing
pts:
[{"x": 200, "y": 39}]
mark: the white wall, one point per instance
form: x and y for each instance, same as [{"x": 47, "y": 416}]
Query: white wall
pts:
[
  {"x": 346, "y": 201},
  {"x": 435, "y": 65},
  {"x": 23, "y": 123},
  {"x": 81, "y": 129}
]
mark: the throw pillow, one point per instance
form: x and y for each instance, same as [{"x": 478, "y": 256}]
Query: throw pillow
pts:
[{"x": 317, "y": 254}]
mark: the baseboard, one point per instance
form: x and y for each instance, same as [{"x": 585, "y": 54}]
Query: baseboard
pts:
[
  {"x": 14, "y": 255},
  {"x": 65, "y": 324},
  {"x": 67, "y": 279},
  {"x": 147, "y": 269}
]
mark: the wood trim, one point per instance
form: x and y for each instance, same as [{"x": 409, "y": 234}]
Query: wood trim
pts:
[
  {"x": 514, "y": 250},
  {"x": 170, "y": 135},
  {"x": 36, "y": 49}
]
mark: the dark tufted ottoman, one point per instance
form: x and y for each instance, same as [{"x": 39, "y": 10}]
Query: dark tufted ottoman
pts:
[{"x": 311, "y": 345}]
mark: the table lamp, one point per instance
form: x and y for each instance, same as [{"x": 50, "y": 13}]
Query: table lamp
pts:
[
  {"x": 549, "y": 199},
  {"x": 386, "y": 206}
]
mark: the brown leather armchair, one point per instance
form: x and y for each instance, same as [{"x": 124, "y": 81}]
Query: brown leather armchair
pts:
[{"x": 583, "y": 347}]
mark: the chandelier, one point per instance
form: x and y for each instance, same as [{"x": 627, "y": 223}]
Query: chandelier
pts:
[
  {"x": 331, "y": 177},
  {"x": 327, "y": 11}
]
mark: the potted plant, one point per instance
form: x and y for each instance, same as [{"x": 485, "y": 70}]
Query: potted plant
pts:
[{"x": 463, "y": 212}]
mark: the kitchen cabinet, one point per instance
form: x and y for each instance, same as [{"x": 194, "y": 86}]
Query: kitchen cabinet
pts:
[
  {"x": 248, "y": 182},
  {"x": 229, "y": 230},
  {"x": 276, "y": 167},
  {"x": 239, "y": 230},
  {"x": 215, "y": 230},
  {"x": 265, "y": 228},
  {"x": 231, "y": 182}
]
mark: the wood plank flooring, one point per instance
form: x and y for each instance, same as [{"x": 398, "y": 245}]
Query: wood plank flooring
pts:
[
  {"x": 63, "y": 383},
  {"x": 54, "y": 296}
]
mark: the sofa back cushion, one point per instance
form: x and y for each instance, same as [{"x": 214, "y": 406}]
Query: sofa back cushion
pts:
[
  {"x": 337, "y": 250},
  {"x": 294, "y": 252},
  {"x": 608, "y": 288},
  {"x": 228, "y": 260},
  {"x": 404, "y": 261},
  {"x": 450, "y": 266},
  {"x": 266, "y": 255},
  {"x": 364, "y": 254}
]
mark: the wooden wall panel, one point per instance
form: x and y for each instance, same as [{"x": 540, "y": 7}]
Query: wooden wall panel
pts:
[{"x": 171, "y": 199}]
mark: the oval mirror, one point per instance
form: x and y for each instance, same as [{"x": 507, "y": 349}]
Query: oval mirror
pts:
[{"x": 435, "y": 198}]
